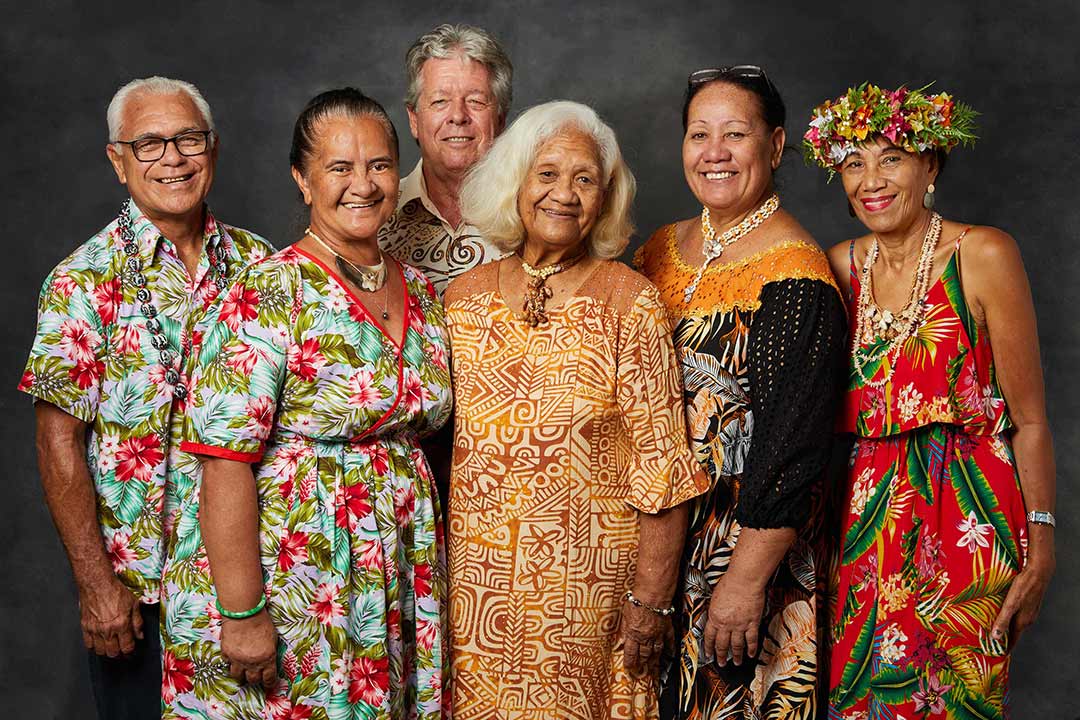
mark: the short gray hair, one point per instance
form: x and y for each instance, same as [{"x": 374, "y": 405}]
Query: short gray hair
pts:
[
  {"x": 474, "y": 43},
  {"x": 155, "y": 85},
  {"x": 489, "y": 195}
]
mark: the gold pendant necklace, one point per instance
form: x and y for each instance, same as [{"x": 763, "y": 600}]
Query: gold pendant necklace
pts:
[
  {"x": 365, "y": 277},
  {"x": 537, "y": 293}
]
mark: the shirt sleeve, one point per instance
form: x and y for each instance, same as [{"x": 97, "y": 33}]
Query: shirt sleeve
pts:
[
  {"x": 238, "y": 365},
  {"x": 67, "y": 359},
  {"x": 795, "y": 364},
  {"x": 663, "y": 471}
]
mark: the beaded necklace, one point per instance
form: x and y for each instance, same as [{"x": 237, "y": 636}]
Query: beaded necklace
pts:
[
  {"x": 713, "y": 247},
  {"x": 132, "y": 274},
  {"x": 873, "y": 322}
]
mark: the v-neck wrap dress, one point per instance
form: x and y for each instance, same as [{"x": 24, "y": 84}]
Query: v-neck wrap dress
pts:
[{"x": 295, "y": 376}]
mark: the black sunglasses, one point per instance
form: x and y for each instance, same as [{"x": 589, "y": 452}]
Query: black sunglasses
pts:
[{"x": 706, "y": 75}]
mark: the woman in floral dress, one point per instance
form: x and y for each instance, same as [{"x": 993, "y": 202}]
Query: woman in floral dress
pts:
[
  {"x": 939, "y": 570},
  {"x": 326, "y": 364},
  {"x": 759, "y": 329}
]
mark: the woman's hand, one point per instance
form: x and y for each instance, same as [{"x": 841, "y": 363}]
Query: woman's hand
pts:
[
  {"x": 732, "y": 624},
  {"x": 250, "y": 646},
  {"x": 1023, "y": 601},
  {"x": 645, "y": 635}
]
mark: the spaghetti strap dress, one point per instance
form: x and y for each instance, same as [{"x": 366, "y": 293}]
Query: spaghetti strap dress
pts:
[{"x": 934, "y": 528}]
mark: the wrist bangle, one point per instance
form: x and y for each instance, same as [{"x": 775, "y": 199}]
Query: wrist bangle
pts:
[
  {"x": 244, "y": 614},
  {"x": 1041, "y": 517},
  {"x": 663, "y": 612}
]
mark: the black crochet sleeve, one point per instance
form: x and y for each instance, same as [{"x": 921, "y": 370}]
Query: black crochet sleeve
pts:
[{"x": 795, "y": 365}]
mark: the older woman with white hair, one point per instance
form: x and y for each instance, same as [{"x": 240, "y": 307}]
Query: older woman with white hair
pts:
[{"x": 571, "y": 465}]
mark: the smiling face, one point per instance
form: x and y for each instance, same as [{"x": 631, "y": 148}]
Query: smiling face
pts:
[
  {"x": 456, "y": 117},
  {"x": 174, "y": 187},
  {"x": 350, "y": 179},
  {"x": 729, "y": 153},
  {"x": 562, "y": 194},
  {"x": 885, "y": 185}
]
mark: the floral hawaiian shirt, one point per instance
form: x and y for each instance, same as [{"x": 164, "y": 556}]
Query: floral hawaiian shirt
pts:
[{"x": 92, "y": 357}]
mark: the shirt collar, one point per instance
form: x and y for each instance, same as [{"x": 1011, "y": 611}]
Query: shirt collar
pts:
[
  {"x": 414, "y": 187},
  {"x": 148, "y": 237}
]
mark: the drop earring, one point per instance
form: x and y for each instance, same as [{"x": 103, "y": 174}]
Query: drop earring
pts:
[{"x": 928, "y": 198}]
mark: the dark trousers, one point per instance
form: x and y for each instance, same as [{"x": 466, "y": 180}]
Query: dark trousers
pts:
[{"x": 129, "y": 687}]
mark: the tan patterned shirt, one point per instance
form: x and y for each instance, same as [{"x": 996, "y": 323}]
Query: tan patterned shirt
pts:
[{"x": 419, "y": 235}]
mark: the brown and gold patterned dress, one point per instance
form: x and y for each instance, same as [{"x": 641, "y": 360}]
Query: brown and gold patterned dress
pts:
[
  {"x": 564, "y": 434},
  {"x": 761, "y": 345}
]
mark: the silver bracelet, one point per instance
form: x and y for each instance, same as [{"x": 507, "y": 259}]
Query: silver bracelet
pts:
[
  {"x": 663, "y": 612},
  {"x": 1041, "y": 517}
]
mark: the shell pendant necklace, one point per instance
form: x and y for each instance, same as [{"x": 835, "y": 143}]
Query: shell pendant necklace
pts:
[
  {"x": 366, "y": 277},
  {"x": 713, "y": 247}
]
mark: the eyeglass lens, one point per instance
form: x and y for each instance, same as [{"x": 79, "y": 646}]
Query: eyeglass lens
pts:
[{"x": 153, "y": 148}]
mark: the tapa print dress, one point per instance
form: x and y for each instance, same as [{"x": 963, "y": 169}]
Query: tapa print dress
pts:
[
  {"x": 761, "y": 347},
  {"x": 299, "y": 379},
  {"x": 934, "y": 531}
]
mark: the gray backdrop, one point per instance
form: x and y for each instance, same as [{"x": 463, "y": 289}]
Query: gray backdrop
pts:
[{"x": 258, "y": 63}]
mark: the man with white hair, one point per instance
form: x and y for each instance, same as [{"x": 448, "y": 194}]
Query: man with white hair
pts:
[
  {"x": 460, "y": 88},
  {"x": 107, "y": 373}
]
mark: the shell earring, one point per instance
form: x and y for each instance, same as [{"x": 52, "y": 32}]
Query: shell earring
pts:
[{"x": 928, "y": 198}]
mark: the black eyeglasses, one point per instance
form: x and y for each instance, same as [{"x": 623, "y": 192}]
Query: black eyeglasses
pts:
[
  {"x": 753, "y": 72},
  {"x": 152, "y": 149}
]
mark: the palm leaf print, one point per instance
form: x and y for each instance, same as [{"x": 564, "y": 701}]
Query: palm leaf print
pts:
[
  {"x": 925, "y": 461},
  {"x": 856, "y": 677},
  {"x": 924, "y": 343},
  {"x": 974, "y": 495},
  {"x": 962, "y": 705},
  {"x": 950, "y": 280},
  {"x": 866, "y": 530},
  {"x": 895, "y": 685},
  {"x": 976, "y": 606}
]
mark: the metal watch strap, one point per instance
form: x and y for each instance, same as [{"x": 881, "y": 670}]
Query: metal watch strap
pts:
[{"x": 1041, "y": 517}]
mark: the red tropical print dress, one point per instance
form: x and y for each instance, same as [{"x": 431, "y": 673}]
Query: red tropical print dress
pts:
[{"x": 934, "y": 530}]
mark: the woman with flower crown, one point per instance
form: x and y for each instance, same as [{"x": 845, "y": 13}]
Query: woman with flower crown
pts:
[
  {"x": 759, "y": 328},
  {"x": 942, "y": 566}
]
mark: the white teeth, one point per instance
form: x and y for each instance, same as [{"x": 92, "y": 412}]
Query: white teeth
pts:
[
  {"x": 458, "y": 139},
  {"x": 170, "y": 181},
  {"x": 718, "y": 175},
  {"x": 357, "y": 206}
]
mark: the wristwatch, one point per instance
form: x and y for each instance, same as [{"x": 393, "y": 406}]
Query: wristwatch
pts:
[{"x": 1041, "y": 517}]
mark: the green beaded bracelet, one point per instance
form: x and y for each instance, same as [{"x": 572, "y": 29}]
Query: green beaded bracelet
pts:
[{"x": 241, "y": 615}]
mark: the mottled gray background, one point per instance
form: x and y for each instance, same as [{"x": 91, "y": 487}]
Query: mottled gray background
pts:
[{"x": 258, "y": 62}]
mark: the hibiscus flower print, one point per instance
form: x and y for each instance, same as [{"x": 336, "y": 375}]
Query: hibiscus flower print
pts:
[
  {"x": 973, "y": 535},
  {"x": 127, "y": 342},
  {"x": 363, "y": 391},
  {"x": 242, "y": 357},
  {"x": 63, "y": 285},
  {"x": 326, "y": 606},
  {"x": 119, "y": 551},
  {"x": 350, "y": 504},
  {"x": 413, "y": 391},
  {"x": 137, "y": 457},
  {"x": 404, "y": 505},
  {"x": 177, "y": 676},
  {"x": 293, "y": 549},
  {"x": 422, "y": 580},
  {"x": 427, "y": 633},
  {"x": 239, "y": 306},
  {"x": 106, "y": 297},
  {"x": 370, "y": 680},
  {"x": 305, "y": 360},
  {"x": 260, "y": 412},
  {"x": 78, "y": 341}
]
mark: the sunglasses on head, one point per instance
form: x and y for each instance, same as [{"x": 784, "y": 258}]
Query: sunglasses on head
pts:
[{"x": 699, "y": 77}]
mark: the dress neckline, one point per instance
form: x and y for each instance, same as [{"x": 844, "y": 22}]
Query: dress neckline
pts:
[
  {"x": 398, "y": 345},
  {"x": 675, "y": 254},
  {"x": 556, "y": 308}
]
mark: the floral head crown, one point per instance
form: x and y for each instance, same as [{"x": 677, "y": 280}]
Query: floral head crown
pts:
[{"x": 910, "y": 119}]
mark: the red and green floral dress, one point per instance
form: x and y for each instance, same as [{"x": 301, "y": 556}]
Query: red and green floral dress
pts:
[
  {"x": 295, "y": 376},
  {"x": 934, "y": 528}
]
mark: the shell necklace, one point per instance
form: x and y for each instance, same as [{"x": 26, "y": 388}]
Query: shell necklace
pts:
[
  {"x": 366, "y": 277},
  {"x": 874, "y": 323},
  {"x": 537, "y": 293},
  {"x": 713, "y": 247},
  {"x": 132, "y": 274}
]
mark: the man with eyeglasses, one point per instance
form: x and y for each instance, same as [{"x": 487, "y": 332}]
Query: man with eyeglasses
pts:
[{"x": 107, "y": 373}]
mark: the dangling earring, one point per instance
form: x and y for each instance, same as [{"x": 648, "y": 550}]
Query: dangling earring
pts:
[
  {"x": 850, "y": 210},
  {"x": 928, "y": 198}
]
